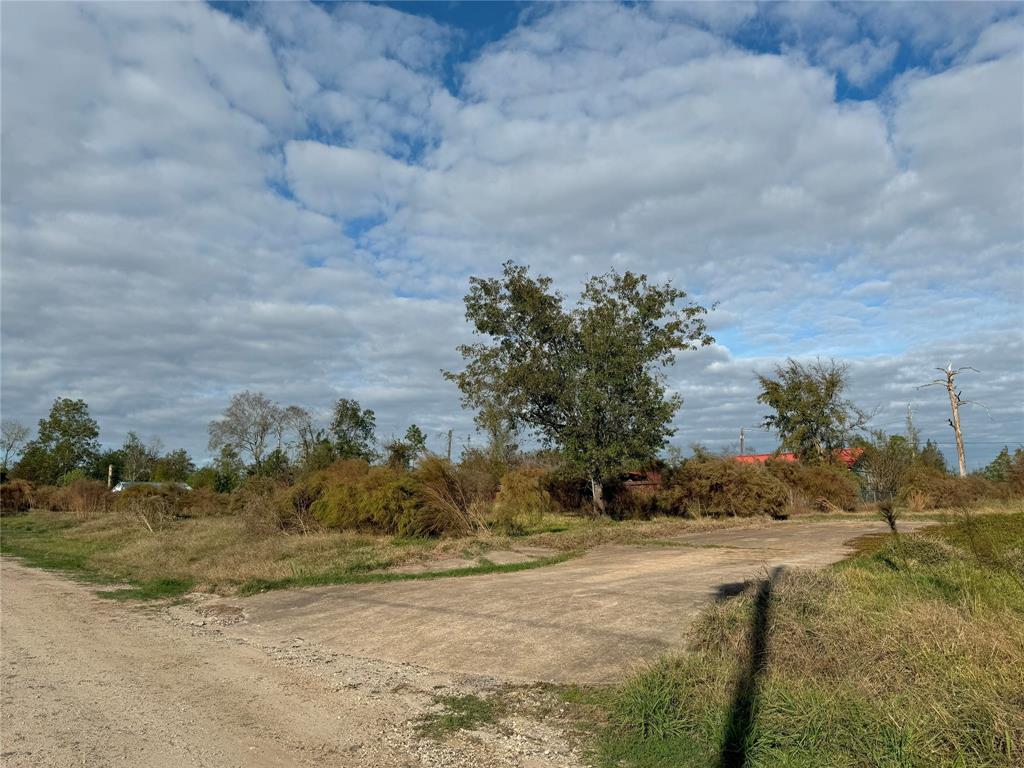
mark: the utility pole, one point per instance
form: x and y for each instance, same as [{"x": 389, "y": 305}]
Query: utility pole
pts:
[
  {"x": 955, "y": 401},
  {"x": 449, "y": 445},
  {"x": 742, "y": 437}
]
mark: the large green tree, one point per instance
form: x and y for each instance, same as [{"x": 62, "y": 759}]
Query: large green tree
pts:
[
  {"x": 585, "y": 379},
  {"x": 67, "y": 440},
  {"x": 811, "y": 415}
]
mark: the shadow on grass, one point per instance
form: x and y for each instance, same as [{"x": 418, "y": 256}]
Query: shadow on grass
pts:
[{"x": 743, "y": 710}]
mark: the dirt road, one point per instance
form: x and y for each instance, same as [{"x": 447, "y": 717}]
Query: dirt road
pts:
[
  {"x": 338, "y": 676},
  {"x": 90, "y": 683},
  {"x": 585, "y": 620}
]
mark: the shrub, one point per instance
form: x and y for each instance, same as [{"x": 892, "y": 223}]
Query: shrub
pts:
[
  {"x": 202, "y": 502},
  {"x": 83, "y": 497},
  {"x": 932, "y": 489},
  {"x": 446, "y": 503},
  {"x": 45, "y": 497},
  {"x": 72, "y": 476},
  {"x": 522, "y": 500},
  {"x": 723, "y": 487},
  {"x": 149, "y": 505},
  {"x": 823, "y": 487},
  {"x": 383, "y": 500},
  {"x": 481, "y": 474},
  {"x": 15, "y": 497},
  {"x": 568, "y": 490}
]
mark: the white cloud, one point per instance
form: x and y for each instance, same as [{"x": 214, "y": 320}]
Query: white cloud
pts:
[{"x": 177, "y": 185}]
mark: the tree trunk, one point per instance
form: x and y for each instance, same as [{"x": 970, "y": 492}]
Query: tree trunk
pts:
[
  {"x": 597, "y": 491},
  {"x": 954, "y": 405}
]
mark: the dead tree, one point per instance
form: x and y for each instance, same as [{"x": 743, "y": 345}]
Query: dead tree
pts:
[{"x": 955, "y": 401}]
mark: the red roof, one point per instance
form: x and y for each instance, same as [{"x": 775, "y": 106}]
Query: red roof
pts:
[{"x": 848, "y": 456}]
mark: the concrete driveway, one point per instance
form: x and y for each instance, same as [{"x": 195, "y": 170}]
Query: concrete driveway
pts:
[{"x": 586, "y": 620}]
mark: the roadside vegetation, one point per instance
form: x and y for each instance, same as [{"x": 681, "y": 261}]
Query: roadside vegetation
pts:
[
  {"x": 910, "y": 654},
  {"x": 292, "y": 498}
]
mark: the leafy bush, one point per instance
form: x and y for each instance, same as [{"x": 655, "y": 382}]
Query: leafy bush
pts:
[
  {"x": 69, "y": 477},
  {"x": 822, "y": 486},
  {"x": 522, "y": 500},
  {"x": 382, "y": 500},
  {"x": 723, "y": 487},
  {"x": 428, "y": 502},
  {"x": 15, "y": 497}
]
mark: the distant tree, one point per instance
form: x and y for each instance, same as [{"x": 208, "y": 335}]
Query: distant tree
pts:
[
  {"x": 998, "y": 470},
  {"x": 588, "y": 379},
  {"x": 111, "y": 459},
  {"x": 138, "y": 459},
  {"x": 811, "y": 415},
  {"x": 67, "y": 440},
  {"x": 931, "y": 457},
  {"x": 352, "y": 428},
  {"x": 223, "y": 475},
  {"x": 401, "y": 454},
  {"x": 398, "y": 454},
  {"x": 299, "y": 422},
  {"x": 276, "y": 465},
  {"x": 417, "y": 440},
  {"x": 252, "y": 425},
  {"x": 13, "y": 437},
  {"x": 173, "y": 467}
]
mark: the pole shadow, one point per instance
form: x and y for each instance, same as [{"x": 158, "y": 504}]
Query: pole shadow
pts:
[{"x": 743, "y": 710}]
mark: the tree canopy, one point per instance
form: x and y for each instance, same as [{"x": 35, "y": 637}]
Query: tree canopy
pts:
[
  {"x": 585, "y": 379},
  {"x": 66, "y": 441},
  {"x": 810, "y": 414},
  {"x": 352, "y": 428}
]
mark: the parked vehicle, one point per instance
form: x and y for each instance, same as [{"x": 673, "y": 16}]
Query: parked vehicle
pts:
[{"x": 126, "y": 484}]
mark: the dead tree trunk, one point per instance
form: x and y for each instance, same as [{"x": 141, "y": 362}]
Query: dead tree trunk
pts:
[
  {"x": 954, "y": 405},
  {"x": 949, "y": 382}
]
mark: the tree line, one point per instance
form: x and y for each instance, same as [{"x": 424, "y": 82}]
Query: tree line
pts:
[{"x": 586, "y": 381}]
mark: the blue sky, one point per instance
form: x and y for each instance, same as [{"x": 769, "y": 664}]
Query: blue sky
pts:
[{"x": 200, "y": 199}]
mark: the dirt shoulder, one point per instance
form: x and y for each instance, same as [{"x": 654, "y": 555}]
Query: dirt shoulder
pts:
[{"x": 90, "y": 682}]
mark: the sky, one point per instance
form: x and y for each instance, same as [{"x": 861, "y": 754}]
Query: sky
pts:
[{"x": 291, "y": 197}]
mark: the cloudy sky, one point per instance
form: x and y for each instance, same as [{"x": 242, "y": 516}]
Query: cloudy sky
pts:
[{"x": 200, "y": 199}]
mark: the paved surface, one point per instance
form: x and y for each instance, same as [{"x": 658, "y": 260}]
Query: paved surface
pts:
[{"x": 586, "y": 620}]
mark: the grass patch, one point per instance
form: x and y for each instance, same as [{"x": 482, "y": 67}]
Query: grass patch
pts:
[
  {"x": 910, "y": 654},
  {"x": 460, "y": 713},
  {"x": 358, "y": 577},
  {"x": 219, "y": 554}
]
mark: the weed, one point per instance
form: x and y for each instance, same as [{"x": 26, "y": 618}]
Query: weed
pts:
[{"x": 460, "y": 713}]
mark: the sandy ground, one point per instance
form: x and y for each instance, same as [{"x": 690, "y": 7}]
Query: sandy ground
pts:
[{"x": 338, "y": 676}]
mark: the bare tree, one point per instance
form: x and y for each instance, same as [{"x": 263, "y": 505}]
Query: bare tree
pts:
[
  {"x": 948, "y": 381},
  {"x": 13, "y": 436},
  {"x": 250, "y": 423},
  {"x": 299, "y": 421}
]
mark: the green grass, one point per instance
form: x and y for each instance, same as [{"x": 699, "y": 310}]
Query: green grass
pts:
[
  {"x": 460, "y": 713},
  {"x": 359, "y": 577},
  {"x": 909, "y": 655},
  {"x": 218, "y": 554}
]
